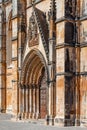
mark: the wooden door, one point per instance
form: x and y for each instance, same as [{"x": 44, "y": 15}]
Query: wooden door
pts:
[
  {"x": 43, "y": 97},
  {"x": 43, "y": 102}
]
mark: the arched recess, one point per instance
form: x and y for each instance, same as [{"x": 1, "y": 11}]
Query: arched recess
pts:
[{"x": 34, "y": 77}]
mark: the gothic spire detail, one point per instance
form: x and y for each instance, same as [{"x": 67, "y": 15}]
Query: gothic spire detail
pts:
[{"x": 52, "y": 12}]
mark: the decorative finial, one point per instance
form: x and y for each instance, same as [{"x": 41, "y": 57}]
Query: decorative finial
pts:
[{"x": 52, "y": 12}]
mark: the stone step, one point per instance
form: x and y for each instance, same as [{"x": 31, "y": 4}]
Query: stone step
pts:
[{"x": 4, "y": 116}]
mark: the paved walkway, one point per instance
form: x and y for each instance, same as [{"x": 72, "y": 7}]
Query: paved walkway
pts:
[
  {"x": 7, "y": 124},
  {"x": 14, "y": 125}
]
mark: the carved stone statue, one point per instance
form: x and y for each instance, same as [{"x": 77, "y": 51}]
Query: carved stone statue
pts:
[{"x": 32, "y": 32}]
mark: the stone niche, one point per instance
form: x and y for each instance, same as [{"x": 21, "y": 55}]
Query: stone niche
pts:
[{"x": 69, "y": 37}]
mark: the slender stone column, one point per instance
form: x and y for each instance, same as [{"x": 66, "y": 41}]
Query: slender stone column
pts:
[
  {"x": 51, "y": 103},
  {"x": 78, "y": 51},
  {"x": 27, "y": 95},
  {"x": 34, "y": 95},
  {"x": 3, "y": 62},
  {"x": 30, "y": 101},
  {"x": 37, "y": 103},
  {"x": 52, "y": 63},
  {"x": 20, "y": 102},
  {"x": 24, "y": 101}
]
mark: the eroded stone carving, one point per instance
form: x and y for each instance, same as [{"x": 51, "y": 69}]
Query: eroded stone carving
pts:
[
  {"x": 70, "y": 8},
  {"x": 32, "y": 32}
]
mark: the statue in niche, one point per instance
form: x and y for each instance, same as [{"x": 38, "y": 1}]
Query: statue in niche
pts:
[{"x": 33, "y": 32}]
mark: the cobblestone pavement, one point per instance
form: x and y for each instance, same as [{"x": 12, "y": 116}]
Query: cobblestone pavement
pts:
[{"x": 15, "y": 125}]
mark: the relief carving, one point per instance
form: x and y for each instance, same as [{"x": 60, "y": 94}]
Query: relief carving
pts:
[{"x": 32, "y": 32}]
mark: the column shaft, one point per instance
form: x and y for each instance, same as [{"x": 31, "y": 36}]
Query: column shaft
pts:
[
  {"x": 37, "y": 105},
  {"x": 30, "y": 102},
  {"x": 34, "y": 95},
  {"x": 20, "y": 103},
  {"x": 27, "y": 95}
]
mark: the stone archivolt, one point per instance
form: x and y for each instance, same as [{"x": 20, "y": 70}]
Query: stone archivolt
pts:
[{"x": 31, "y": 77}]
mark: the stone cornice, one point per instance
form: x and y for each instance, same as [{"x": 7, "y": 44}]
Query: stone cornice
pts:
[
  {"x": 63, "y": 18},
  {"x": 84, "y": 73},
  {"x": 63, "y": 45},
  {"x": 82, "y": 18}
]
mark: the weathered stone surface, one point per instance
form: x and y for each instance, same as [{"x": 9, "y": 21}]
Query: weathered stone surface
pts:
[{"x": 43, "y": 60}]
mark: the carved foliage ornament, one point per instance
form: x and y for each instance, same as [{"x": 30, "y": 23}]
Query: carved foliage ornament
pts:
[{"x": 32, "y": 32}]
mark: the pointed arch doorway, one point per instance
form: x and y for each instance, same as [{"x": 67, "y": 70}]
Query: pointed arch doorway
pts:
[{"x": 34, "y": 85}]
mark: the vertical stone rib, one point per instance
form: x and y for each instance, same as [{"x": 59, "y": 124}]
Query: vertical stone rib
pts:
[
  {"x": 22, "y": 102},
  {"x": 51, "y": 65},
  {"x": 27, "y": 103},
  {"x": 2, "y": 60},
  {"x": 77, "y": 120},
  {"x": 37, "y": 106},
  {"x": 34, "y": 101},
  {"x": 30, "y": 101}
]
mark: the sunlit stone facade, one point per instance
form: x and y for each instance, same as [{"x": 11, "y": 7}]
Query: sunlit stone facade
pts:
[{"x": 43, "y": 60}]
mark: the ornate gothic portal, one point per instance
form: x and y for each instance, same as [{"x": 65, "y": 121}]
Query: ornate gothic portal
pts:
[{"x": 33, "y": 90}]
